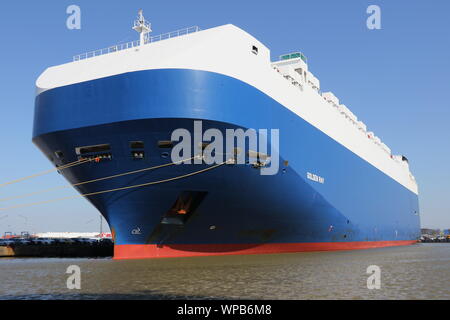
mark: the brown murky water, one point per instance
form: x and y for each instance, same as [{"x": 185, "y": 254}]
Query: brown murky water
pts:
[{"x": 420, "y": 271}]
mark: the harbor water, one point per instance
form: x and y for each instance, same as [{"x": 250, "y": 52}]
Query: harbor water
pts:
[{"x": 420, "y": 271}]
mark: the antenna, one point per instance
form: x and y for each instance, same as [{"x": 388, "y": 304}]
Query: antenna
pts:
[{"x": 142, "y": 26}]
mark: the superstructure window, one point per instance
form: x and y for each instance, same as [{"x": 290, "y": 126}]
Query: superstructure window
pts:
[{"x": 255, "y": 49}]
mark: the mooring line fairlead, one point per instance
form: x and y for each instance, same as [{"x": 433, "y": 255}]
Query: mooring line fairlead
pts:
[{"x": 230, "y": 161}]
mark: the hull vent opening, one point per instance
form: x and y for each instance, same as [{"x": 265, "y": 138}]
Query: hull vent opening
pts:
[
  {"x": 137, "y": 144},
  {"x": 95, "y": 152},
  {"x": 165, "y": 144},
  {"x": 137, "y": 150},
  {"x": 183, "y": 208}
]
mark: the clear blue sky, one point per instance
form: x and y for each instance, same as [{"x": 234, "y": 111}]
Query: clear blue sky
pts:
[{"x": 395, "y": 79}]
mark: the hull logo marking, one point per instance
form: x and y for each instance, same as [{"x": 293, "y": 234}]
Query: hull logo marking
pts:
[
  {"x": 136, "y": 231},
  {"x": 315, "y": 177}
]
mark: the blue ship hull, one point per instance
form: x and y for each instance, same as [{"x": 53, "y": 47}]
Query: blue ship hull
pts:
[{"x": 237, "y": 209}]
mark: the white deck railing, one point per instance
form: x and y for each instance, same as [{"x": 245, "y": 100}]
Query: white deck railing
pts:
[{"x": 136, "y": 43}]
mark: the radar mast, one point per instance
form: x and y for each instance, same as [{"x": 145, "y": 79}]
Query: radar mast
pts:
[{"x": 142, "y": 26}]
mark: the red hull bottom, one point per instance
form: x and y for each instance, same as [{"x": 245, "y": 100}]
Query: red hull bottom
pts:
[{"x": 148, "y": 251}]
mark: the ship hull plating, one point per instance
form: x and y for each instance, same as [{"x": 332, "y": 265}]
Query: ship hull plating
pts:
[{"x": 235, "y": 209}]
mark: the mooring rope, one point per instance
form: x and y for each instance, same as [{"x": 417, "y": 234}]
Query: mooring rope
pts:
[
  {"x": 121, "y": 188},
  {"x": 95, "y": 180},
  {"x": 69, "y": 165}
]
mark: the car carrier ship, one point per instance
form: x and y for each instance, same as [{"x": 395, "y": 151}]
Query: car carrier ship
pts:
[{"x": 112, "y": 112}]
